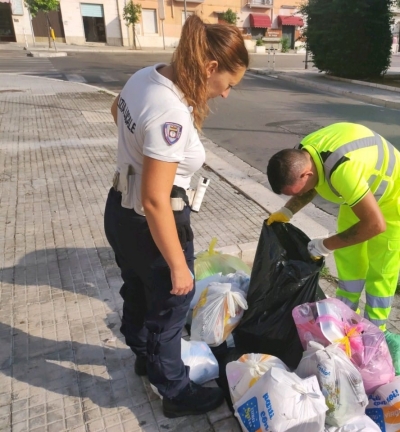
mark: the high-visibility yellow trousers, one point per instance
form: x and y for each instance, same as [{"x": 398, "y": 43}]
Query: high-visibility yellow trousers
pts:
[{"x": 373, "y": 264}]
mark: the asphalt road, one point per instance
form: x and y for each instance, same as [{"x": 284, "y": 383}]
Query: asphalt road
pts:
[
  {"x": 261, "y": 116},
  {"x": 112, "y": 70},
  {"x": 264, "y": 115}
]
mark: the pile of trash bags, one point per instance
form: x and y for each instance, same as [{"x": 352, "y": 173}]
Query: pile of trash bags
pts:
[{"x": 287, "y": 357}]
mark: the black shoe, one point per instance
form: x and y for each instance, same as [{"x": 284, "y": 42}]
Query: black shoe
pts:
[
  {"x": 194, "y": 399},
  {"x": 141, "y": 365}
]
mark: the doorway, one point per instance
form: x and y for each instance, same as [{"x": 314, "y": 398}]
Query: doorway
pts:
[
  {"x": 41, "y": 22},
  {"x": 93, "y": 22},
  {"x": 7, "y": 33},
  {"x": 288, "y": 32}
]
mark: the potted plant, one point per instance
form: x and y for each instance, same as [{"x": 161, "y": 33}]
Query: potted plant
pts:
[
  {"x": 259, "y": 47},
  {"x": 285, "y": 44}
]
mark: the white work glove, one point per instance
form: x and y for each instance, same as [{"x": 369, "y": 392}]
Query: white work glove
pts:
[
  {"x": 317, "y": 249},
  {"x": 282, "y": 215}
]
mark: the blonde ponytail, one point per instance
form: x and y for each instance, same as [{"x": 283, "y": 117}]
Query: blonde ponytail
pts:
[{"x": 199, "y": 44}]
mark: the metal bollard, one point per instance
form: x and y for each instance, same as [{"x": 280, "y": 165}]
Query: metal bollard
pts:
[{"x": 273, "y": 62}]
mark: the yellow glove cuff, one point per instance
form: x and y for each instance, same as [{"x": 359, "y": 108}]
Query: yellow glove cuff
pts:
[{"x": 282, "y": 215}]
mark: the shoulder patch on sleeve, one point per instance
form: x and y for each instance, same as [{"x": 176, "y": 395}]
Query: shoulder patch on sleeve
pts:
[{"x": 172, "y": 132}]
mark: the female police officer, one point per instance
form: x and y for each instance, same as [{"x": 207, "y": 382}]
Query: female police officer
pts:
[{"x": 158, "y": 114}]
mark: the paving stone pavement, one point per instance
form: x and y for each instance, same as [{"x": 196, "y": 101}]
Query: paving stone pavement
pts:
[{"x": 64, "y": 364}]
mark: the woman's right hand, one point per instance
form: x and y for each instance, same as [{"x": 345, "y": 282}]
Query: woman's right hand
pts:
[{"x": 182, "y": 281}]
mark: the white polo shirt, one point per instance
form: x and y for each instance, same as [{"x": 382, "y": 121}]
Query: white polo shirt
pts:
[{"x": 154, "y": 120}]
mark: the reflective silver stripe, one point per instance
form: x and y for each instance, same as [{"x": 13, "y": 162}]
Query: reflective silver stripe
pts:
[
  {"x": 378, "y": 302},
  {"x": 381, "y": 190},
  {"x": 334, "y": 157},
  {"x": 389, "y": 171},
  {"x": 392, "y": 159},
  {"x": 377, "y": 322},
  {"x": 353, "y": 286},
  {"x": 347, "y": 302}
]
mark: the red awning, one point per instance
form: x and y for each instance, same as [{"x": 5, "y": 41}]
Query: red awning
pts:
[
  {"x": 290, "y": 20},
  {"x": 260, "y": 20}
]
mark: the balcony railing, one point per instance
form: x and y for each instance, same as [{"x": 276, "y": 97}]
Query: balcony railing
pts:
[{"x": 259, "y": 3}]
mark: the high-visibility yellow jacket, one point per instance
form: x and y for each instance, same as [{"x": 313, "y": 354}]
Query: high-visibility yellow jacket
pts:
[{"x": 352, "y": 160}]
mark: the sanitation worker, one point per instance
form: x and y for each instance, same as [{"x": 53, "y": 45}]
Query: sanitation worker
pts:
[{"x": 353, "y": 166}]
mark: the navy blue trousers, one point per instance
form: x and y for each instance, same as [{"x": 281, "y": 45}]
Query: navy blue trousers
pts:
[{"x": 153, "y": 319}]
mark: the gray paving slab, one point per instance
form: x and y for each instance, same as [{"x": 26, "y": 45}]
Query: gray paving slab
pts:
[{"x": 63, "y": 362}]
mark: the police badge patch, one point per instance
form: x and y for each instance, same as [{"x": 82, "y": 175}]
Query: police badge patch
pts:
[{"x": 172, "y": 132}]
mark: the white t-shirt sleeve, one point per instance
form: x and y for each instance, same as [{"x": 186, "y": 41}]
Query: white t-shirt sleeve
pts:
[{"x": 166, "y": 137}]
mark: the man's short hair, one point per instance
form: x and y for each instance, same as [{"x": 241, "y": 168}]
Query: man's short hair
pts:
[{"x": 284, "y": 168}]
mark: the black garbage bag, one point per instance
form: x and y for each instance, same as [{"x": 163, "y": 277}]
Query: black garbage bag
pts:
[{"x": 283, "y": 276}]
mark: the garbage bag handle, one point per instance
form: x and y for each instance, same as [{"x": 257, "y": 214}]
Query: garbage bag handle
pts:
[{"x": 235, "y": 298}]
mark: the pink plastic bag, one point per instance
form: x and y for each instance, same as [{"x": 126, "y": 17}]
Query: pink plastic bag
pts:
[{"x": 331, "y": 321}]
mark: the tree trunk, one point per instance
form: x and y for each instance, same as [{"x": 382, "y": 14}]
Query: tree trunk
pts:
[{"x": 134, "y": 36}]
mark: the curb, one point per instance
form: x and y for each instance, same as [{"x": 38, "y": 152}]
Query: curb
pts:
[
  {"x": 101, "y": 89},
  {"x": 364, "y": 83},
  {"x": 330, "y": 88},
  {"x": 155, "y": 50},
  {"x": 46, "y": 54}
]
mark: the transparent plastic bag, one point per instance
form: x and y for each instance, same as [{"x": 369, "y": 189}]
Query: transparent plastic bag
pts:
[
  {"x": 240, "y": 280},
  {"x": 210, "y": 262},
  {"x": 202, "y": 362},
  {"x": 217, "y": 313},
  {"x": 339, "y": 380},
  {"x": 331, "y": 321},
  {"x": 202, "y": 285},
  {"x": 280, "y": 401},
  {"x": 245, "y": 372}
]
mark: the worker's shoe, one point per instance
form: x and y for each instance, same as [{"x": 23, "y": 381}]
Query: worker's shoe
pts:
[
  {"x": 393, "y": 341},
  {"x": 194, "y": 399},
  {"x": 141, "y": 365}
]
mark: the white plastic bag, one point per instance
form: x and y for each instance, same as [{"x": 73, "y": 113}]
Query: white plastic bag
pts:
[
  {"x": 202, "y": 285},
  {"x": 384, "y": 406},
  {"x": 217, "y": 313},
  {"x": 202, "y": 362},
  {"x": 340, "y": 381},
  {"x": 245, "y": 372},
  {"x": 357, "y": 424},
  {"x": 280, "y": 401},
  {"x": 239, "y": 278}
]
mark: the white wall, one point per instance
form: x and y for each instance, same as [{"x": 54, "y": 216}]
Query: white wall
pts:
[
  {"x": 73, "y": 24},
  {"x": 21, "y": 23}
]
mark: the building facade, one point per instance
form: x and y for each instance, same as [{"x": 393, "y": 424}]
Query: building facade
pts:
[{"x": 83, "y": 22}]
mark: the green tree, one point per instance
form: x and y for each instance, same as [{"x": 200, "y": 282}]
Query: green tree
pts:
[
  {"x": 131, "y": 14},
  {"x": 44, "y": 6},
  {"x": 349, "y": 39},
  {"x": 230, "y": 17}
]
